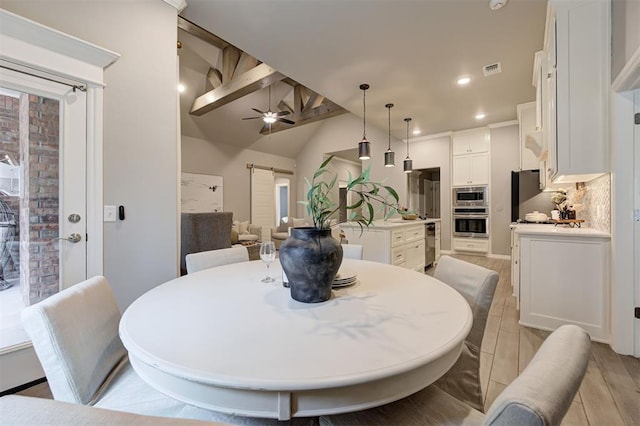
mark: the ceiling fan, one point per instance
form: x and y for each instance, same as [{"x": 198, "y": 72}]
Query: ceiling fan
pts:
[{"x": 270, "y": 117}]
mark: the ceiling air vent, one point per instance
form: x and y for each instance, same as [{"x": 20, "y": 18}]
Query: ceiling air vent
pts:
[{"x": 491, "y": 69}]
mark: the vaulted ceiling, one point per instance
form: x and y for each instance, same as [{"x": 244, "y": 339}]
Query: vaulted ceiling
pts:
[{"x": 410, "y": 52}]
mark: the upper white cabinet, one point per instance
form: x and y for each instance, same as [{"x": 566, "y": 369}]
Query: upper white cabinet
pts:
[
  {"x": 528, "y": 129},
  {"x": 470, "y": 161},
  {"x": 577, "y": 56},
  {"x": 470, "y": 169},
  {"x": 470, "y": 142}
]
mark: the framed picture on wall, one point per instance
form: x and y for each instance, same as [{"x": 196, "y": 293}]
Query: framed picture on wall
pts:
[{"x": 201, "y": 193}]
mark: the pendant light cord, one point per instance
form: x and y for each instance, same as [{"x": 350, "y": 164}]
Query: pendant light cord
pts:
[
  {"x": 364, "y": 114},
  {"x": 407, "y": 120},
  {"x": 389, "y": 107}
]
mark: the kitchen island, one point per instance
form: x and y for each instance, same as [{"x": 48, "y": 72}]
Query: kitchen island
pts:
[
  {"x": 561, "y": 276},
  {"x": 395, "y": 241}
]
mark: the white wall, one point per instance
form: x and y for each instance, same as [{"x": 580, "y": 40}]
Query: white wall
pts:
[
  {"x": 625, "y": 33},
  {"x": 140, "y": 126},
  {"x": 201, "y": 156},
  {"x": 341, "y": 133},
  {"x": 505, "y": 157}
]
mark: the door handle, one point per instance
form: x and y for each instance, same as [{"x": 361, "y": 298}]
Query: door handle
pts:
[{"x": 73, "y": 238}]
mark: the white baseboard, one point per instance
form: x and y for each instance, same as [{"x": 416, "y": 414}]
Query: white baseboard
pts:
[{"x": 500, "y": 256}]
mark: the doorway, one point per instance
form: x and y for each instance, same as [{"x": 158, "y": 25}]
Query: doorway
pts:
[
  {"x": 283, "y": 189},
  {"x": 42, "y": 198},
  {"x": 426, "y": 192}
]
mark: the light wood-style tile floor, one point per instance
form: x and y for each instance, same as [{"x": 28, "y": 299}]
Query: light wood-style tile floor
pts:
[{"x": 609, "y": 394}]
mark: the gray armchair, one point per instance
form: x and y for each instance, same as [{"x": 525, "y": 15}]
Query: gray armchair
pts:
[
  {"x": 540, "y": 396},
  {"x": 477, "y": 285},
  {"x": 203, "y": 232}
]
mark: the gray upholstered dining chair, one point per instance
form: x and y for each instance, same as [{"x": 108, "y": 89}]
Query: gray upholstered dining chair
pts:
[
  {"x": 75, "y": 336},
  {"x": 352, "y": 251},
  {"x": 212, "y": 258},
  {"x": 477, "y": 285},
  {"x": 540, "y": 395}
]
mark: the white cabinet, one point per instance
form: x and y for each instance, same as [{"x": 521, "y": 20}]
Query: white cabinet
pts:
[
  {"x": 527, "y": 126},
  {"x": 564, "y": 279},
  {"x": 577, "y": 47},
  {"x": 400, "y": 244},
  {"x": 472, "y": 169},
  {"x": 470, "y": 141},
  {"x": 515, "y": 265},
  {"x": 437, "y": 242},
  {"x": 475, "y": 245}
]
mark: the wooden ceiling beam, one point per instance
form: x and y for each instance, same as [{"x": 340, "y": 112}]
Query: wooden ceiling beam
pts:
[
  {"x": 255, "y": 79},
  {"x": 214, "y": 77},
  {"x": 201, "y": 33},
  {"x": 245, "y": 63},
  {"x": 230, "y": 57}
]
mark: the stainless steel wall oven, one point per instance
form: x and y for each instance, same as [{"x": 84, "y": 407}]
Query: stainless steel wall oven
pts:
[{"x": 471, "y": 222}]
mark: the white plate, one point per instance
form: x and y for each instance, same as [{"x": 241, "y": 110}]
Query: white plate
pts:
[
  {"x": 344, "y": 274},
  {"x": 344, "y": 284}
]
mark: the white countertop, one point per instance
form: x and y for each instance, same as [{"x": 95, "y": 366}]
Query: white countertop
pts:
[
  {"x": 391, "y": 223},
  {"x": 559, "y": 230}
]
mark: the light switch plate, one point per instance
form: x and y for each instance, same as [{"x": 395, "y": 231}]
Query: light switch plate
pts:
[{"x": 109, "y": 213}]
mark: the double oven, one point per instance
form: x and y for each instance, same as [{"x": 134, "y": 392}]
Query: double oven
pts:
[{"x": 471, "y": 212}]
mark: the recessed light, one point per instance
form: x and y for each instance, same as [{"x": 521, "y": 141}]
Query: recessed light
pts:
[
  {"x": 463, "y": 81},
  {"x": 181, "y": 88},
  {"x": 480, "y": 116},
  {"x": 416, "y": 132}
]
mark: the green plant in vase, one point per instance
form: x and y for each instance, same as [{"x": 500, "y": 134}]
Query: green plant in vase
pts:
[{"x": 311, "y": 257}]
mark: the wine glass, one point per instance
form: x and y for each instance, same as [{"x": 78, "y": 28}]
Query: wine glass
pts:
[{"x": 268, "y": 255}]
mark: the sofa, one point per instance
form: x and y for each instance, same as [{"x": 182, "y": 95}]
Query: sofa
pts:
[
  {"x": 243, "y": 232},
  {"x": 281, "y": 232}
]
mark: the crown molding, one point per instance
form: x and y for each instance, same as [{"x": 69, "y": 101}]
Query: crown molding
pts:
[{"x": 178, "y": 4}]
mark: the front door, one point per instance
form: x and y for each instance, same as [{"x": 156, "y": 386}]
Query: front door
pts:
[{"x": 42, "y": 206}]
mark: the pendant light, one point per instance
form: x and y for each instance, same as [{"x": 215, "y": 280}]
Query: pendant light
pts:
[
  {"x": 408, "y": 164},
  {"x": 364, "y": 147},
  {"x": 389, "y": 156}
]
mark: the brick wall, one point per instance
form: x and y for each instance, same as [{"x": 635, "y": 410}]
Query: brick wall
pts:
[{"x": 41, "y": 211}]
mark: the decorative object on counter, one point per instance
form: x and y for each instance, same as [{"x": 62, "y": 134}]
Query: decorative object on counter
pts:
[
  {"x": 407, "y": 214},
  {"x": 311, "y": 257},
  {"x": 536, "y": 217},
  {"x": 571, "y": 213},
  {"x": 555, "y": 214},
  {"x": 389, "y": 156},
  {"x": 407, "y": 163},
  {"x": 559, "y": 198},
  {"x": 571, "y": 222},
  {"x": 364, "y": 146}
]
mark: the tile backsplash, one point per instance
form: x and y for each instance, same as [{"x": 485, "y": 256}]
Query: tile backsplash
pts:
[{"x": 592, "y": 202}]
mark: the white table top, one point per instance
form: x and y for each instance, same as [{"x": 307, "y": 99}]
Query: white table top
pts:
[{"x": 225, "y": 328}]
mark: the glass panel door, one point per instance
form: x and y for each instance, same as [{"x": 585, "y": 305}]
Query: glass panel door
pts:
[{"x": 42, "y": 195}]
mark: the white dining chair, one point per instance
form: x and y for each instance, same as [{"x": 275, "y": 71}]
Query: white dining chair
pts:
[
  {"x": 540, "y": 396},
  {"x": 352, "y": 251},
  {"x": 477, "y": 285},
  {"x": 75, "y": 336},
  {"x": 212, "y": 258}
]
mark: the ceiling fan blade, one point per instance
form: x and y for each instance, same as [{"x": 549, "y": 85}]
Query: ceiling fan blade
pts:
[
  {"x": 258, "y": 111},
  {"x": 281, "y": 113},
  {"x": 250, "y": 118},
  {"x": 284, "y": 120}
]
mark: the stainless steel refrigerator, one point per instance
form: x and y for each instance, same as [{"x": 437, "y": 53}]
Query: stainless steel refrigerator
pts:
[{"x": 526, "y": 196}]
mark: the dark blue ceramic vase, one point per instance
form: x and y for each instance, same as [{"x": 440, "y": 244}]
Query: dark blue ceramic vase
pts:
[{"x": 311, "y": 258}]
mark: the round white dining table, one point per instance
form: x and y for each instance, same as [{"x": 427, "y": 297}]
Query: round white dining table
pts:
[{"x": 222, "y": 340}]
